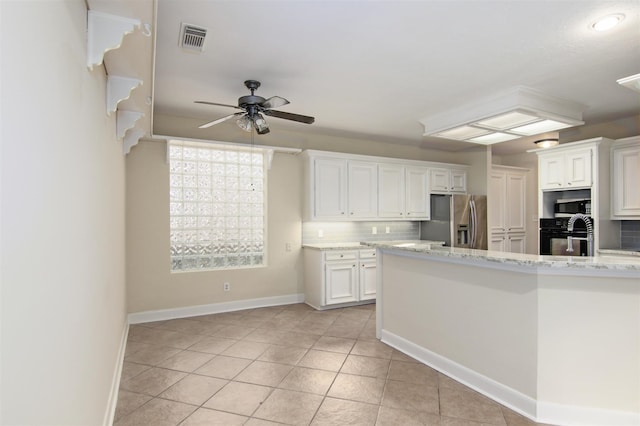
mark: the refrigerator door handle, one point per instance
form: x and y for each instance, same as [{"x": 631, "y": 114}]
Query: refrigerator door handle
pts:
[{"x": 472, "y": 221}]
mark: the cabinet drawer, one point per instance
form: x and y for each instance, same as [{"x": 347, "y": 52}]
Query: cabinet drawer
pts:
[
  {"x": 340, "y": 255},
  {"x": 368, "y": 254}
]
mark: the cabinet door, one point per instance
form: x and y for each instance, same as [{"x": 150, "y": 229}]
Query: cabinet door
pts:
[
  {"x": 367, "y": 280},
  {"x": 515, "y": 202},
  {"x": 363, "y": 189},
  {"x": 551, "y": 171},
  {"x": 440, "y": 180},
  {"x": 497, "y": 242},
  {"x": 458, "y": 181},
  {"x": 417, "y": 199},
  {"x": 330, "y": 188},
  {"x": 626, "y": 181},
  {"x": 496, "y": 202},
  {"x": 391, "y": 191},
  {"x": 578, "y": 168},
  {"x": 516, "y": 243},
  {"x": 341, "y": 282}
]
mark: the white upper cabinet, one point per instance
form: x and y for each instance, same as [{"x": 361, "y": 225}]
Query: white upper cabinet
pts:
[
  {"x": 392, "y": 194},
  {"x": 417, "y": 194},
  {"x": 330, "y": 189},
  {"x": 363, "y": 190},
  {"x": 566, "y": 170},
  {"x": 345, "y": 187},
  {"x": 625, "y": 179},
  {"x": 448, "y": 180},
  {"x": 404, "y": 192}
]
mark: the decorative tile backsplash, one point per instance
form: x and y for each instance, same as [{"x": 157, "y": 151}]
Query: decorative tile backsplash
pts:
[
  {"x": 340, "y": 232},
  {"x": 630, "y": 234}
]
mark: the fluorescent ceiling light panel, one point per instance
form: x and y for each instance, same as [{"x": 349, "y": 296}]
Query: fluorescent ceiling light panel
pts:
[
  {"x": 515, "y": 113},
  {"x": 632, "y": 82},
  {"x": 508, "y": 120},
  {"x": 540, "y": 127},
  {"x": 493, "y": 138},
  {"x": 462, "y": 133}
]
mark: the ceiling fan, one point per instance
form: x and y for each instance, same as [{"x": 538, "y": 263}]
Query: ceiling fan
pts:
[{"x": 252, "y": 107}]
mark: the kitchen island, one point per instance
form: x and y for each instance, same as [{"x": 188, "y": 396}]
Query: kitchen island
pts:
[{"x": 553, "y": 337}]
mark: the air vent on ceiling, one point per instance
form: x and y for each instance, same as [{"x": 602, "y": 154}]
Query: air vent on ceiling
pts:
[{"x": 192, "y": 37}]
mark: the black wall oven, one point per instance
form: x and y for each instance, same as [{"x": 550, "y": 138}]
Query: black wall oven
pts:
[{"x": 553, "y": 237}]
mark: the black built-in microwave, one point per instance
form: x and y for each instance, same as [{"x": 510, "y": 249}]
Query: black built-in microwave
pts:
[{"x": 567, "y": 207}]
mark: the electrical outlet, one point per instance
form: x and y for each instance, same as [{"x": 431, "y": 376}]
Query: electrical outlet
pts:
[
  {"x": 388, "y": 229},
  {"x": 320, "y": 233},
  {"x": 374, "y": 230},
  {"x": 226, "y": 286},
  {"x": 534, "y": 218},
  {"x": 287, "y": 246}
]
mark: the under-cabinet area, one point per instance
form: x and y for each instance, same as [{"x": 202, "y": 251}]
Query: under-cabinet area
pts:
[{"x": 336, "y": 278}]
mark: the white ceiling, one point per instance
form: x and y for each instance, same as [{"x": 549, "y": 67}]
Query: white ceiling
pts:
[{"x": 375, "y": 68}]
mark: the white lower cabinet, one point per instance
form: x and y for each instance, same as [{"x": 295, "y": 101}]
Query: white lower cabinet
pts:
[
  {"x": 336, "y": 278},
  {"x": 341, "y": 282}
]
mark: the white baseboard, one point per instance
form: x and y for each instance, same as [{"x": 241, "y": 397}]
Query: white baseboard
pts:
[
  {"x": 539, "y": 411},
  {"x": 505, "y": 395},
  {"x": 115, "y": 382},
  {"x": 562, "y": 414},
  {"x": 213, "y": 308}
]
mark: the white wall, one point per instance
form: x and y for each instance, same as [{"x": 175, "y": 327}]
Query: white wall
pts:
[{"x": 63, "y": 279}]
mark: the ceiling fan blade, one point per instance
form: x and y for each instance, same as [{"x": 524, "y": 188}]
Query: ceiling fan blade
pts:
[
  {"x": 216, "y": 104},
  {"x": 219, "y": 120},
  {"x": 289, "y": 116},
  {"x": 274, "y": 102}
]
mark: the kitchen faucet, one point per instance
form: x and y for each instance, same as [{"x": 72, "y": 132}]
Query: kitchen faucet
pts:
[{"x": 589, "y": 238}]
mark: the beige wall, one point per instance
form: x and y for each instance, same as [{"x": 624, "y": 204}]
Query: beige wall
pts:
[
  {"x": 150, "y": 284},
  {"x": 63, "y": 279}
]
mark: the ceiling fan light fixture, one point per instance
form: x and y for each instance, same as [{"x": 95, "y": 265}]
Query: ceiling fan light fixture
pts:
[
  {"x": 244, "y": 123},
  {"x": 260, "y": 124}
]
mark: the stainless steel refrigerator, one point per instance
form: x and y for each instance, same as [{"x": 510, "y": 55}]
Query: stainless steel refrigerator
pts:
[{"x": 458, "y": 220}]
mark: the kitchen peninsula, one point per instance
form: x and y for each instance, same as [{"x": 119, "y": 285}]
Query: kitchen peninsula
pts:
[{"x": 553, "y": 337}]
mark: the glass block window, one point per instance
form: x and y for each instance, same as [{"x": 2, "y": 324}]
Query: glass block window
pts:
[{"x": 216, "y": 206}]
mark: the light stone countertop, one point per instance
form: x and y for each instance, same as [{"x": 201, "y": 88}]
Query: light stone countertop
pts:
[
  {"x": 363, "y": 245},
  {"x": 609, "y": 262},
  {"x": 619, "y": 252}
]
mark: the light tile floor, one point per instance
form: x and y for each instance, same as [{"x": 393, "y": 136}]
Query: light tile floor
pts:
[{"x": 287, "y": 365}]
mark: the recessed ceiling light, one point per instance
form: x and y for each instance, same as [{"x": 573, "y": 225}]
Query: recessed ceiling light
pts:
[{"x": 607, "y": 22}]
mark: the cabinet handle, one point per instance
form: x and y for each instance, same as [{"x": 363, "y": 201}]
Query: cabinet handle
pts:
[
  {"x": 351, "y": 213},
  {"x": 341, "y": 212},
  {"x": 568, "y": 183},
  {"x": 407, "y": 214},
  {"x": 342, "y": 255},
  {"x": 400, "y": 214},
  {"x": 353, "y": 266}
]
